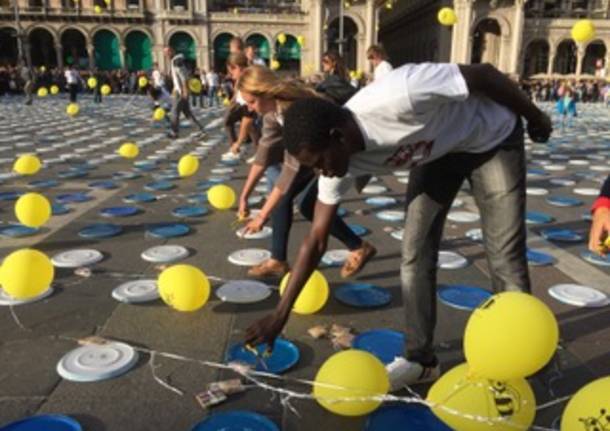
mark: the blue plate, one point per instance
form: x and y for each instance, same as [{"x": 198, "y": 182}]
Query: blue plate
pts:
[
  {"x": 341, "y": 212},
  {"x": 595, "y": 258},
  {"x": 380, "y": 201},
  {"x": 537, "y": 172},
  {"x": 536, "y": 217},
  {"x": 67, "y": 198},
  {"x": 159, "y": 186},
  {"x": 197, "y": 198},
  {"x": 563, "y": 201},
  {"x": 17, "y": 231},
  {"x": 358, "y": 229},
  {"x": 168, "y": 230},
  {"x": 189, "y": 211},
  {"x": 100, "y": 230},
  {"x": 404, "y": 417},
  {"x": 561, "y": 235},
  {"x": 10, "y": 196},
  {"x": 362, "y": 295},
  {"x": 43, "y": 184},
  {"x": 205, "y": 185},
  {"x": 142, "y": 197},
  {"x": 59, "y": 209},
  {"x": 284, "y": 356},
  {"x": 462, "y": 297},
  {"x": 44, "y": 423},
  {"x": 145, "y": 166},
  {"x": 229, "y": 162},
  {"x": 538, "y": 258},
  {"x": 385, "y": 344},
  {"x": 103, "y": 185},
  {"x": 76, "y": 173},
  {"x": 126, "y": 175},
  {"x": 236, "y": 421},
  {"x": 119, "y": 211}
]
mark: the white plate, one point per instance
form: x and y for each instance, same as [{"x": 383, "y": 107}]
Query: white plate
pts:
[
  {"x": 563, "y": 182},
  {"x": 391, "y": 215},
  {"x": 265, "y": 232},
  {"x": 335, "y": 257},
  {"x": 554, "y": 167},
  {"x": 475, "y": 234},
  {"x": 585, "y": 191},
  {"x": 243, "y": 291},
  {"x": 374, "y": 189},
  {"x": 457, "y": 203},
  {"x": 577, "y": 295},
  {"x": 93, "y": 363},
  {"x": 451, "y": 260},
  {"x": 249, "y": 256},
  {"x": 463, "y": 216},
  {"x": 398, "y": 234},
  {"x": 137, "y": 291},
  {"x": 77, "y": 258},
  {"x": 579, "y": 162},
  {"x": 536, "y": 191},
  {"x": 165, "y": 253},
  {"x": 6, "y": 300}
]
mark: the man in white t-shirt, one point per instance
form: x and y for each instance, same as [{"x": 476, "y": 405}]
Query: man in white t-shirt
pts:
[
  {"x": 447, "y": 123},
  {"x": 72, "y": 81},
  {"x": 379, "y": 59}
]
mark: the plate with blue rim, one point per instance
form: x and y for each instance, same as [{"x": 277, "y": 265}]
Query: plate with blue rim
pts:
[
  {"x": 358, "y": 229},
  {"x": 100, "y": 230},
  {"x": 17, "y": 231},
  {"x": 190, "y": 211},
  {"x": 395, "y": 417},
  {"x": 140, "y": 197},
  {"x": 43, "y": 184},
  {"x": 539, "y": 258},
  {"x": 160, "y": 186},
  {"x": 537, "y": 217},
  {"x": 462, "y": 297},
  {"x": 385, "y": 344},
  {"x": 10, "y": 196},
  {"x": 284, "y": 356},
  {"x": 76, "y": 197},
  {"x": 236, "y": 421},
  {"x": 595, "y": 258},
  {"x": 563, "y": 201},
  {"x": 362, "y": 295},
  {"x": 561, "y": 235},
  {"x": 59, "y": 209},
  {"x": 168, "y": 230},
  {"x": 44, "y": 423},
  {"x": 120, "y": 211},
  {"x": 103, "y": 185}
]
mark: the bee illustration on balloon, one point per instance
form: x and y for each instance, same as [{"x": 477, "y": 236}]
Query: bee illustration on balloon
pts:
[
  {"x": 506, "y": 399},
  {"x": 599, "y": 423}
]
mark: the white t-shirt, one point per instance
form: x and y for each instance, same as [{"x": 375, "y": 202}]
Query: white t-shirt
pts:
[
  {"x": 382, "y": 70},
  {"x": 212, "y": 78},
  {"x": 71, "y": 76},
  {"x": 157, "y": 79},
  {"x": 239, "y": 99},
  {"x": 417, "y": 114}
]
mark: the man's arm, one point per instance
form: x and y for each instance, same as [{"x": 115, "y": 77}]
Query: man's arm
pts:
[
  {"x": 490, "y": 82},
  {"x": 267, "y": 329}
]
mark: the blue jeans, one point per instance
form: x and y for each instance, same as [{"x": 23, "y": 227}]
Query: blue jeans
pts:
[
  {"x": 272, "y": 174},
  {"x": 497, "y": 180}
]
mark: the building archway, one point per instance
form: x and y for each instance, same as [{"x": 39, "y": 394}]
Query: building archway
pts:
[
  {"x": 8, "y": 46},
  {"x": 107, "y": 50},
  {"x": 74, "y": 47},
  {"x": 138, "y": 51},
  {"x": 263, "y": 50},
  {"x": 487, "y": 39},
  {"x": 565, "y": 58},
  {"x": 183, "y": 43},
  {"x": 350, "y": 38},
  {"x": 42, "y": 48},
  {"x": 289, "y": 54},
  {"x": 221, "y": 51},
  {"x": 536, "y": 59},
  {"x": 594, "y": 59}
]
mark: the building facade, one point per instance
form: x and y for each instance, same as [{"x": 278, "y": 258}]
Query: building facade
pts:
[
  {"x": 131, "y": 34},
  {"x": 520, "y": 37}
]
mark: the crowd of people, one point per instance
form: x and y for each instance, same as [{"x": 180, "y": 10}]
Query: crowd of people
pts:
[{"x": 551, "y": 90}]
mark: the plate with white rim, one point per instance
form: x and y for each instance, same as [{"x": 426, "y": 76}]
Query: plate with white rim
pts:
[
  {"x": 77, "y": 258},
  {"x": 536, "y": 191},
  {"x": 374, "y": 189},
  {"x": 586, "y": 191},
  {"x": 137, "y": 291},
  {"x": 579, "y": 295},
  {"x": 249, "y": 256},
  {"x": 265, "y": 232},
  {"x": 335, "y": 257},
  {"x": 243, "y": 291},
  {"x": 9, "y": 301},
  {"x": 96, "y": 362},
  {"x": 463, "y": 216},
  {"x": 165, "y": 253},
  {"x": 451, "y": 260}
]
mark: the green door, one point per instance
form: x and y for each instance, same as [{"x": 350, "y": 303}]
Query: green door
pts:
[
  {"x": 139, "y": 51},
  {"x": 262, "y": 43},
  {"x": 107, "y": 54},
  {"x": 221, "y": 50},
  {"x": 289, "y": 54},
  {"x": 184, "y": 44}
]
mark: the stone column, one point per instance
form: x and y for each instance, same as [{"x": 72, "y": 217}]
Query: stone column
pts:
[
  {"x": 461, "y": 44},
  {"x": 123, "y": 56},
  {"x": 370, "y": 23},
  {"x": 517, "y": 39},
  {"x": 580, "y": 56},
  {"x": 91, "y": 54},
  {"x": 59, "y": 52},
  {"x": 552, "y": 53},
  {"x": 316, "y": 40}
]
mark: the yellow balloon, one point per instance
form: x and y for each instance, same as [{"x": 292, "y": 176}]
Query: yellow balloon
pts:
[
  {"x": 301, "y": 40},
  {"x": 350, "y": 374},
  {"x": 353, "y": 74},
  {"x": 188, "y": 165},
  {"x": 275, "y": 65},
  {"x": 43, "y": 69},
  {"x": 184, "y": 287},
  {"x": 28, "y": 164},
  {"x": 159, "y": 114},
  {"x": 72, "y": 109},
  {"x": 54, "y": 90},
  {"x": 32, "y": 210},
  {"x": 221, "y": 197},
  {"x": 281, "y": 38},
  {"x": 583, "y": 30},
  {"x": 446, "y": 16},
  {"x": 589, "y": 408},
  {"x": 506, "y": 406},
  {"x": 511, "y": 335},
  {"x": 26, "y": 273},
  {"x": 129, "y": 150},
  {"x": 92, "y": 82},
  {"x": 195, "y": 85},
  {"x": 105, "y": 90},
  {"x": 226, "y": 101},
  {"x": 313, "y": 296},
  {"x": 43, "y": 92},
  {"x": 97, "y": 9},
  {"x": 142, "y": 81}
]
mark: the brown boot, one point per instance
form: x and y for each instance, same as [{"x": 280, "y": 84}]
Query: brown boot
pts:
[
  {"x": 269, "y": 268},
  {"x": 357, "y": 259}
]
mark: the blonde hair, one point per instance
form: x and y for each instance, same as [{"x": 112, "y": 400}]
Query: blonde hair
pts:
[
  {"x": 238, "y": 59},
  {"x": 263, "y": 82}
]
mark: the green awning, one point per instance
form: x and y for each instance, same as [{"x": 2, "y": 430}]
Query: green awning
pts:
[
  {"x": 139, "y": 51},
  {"x": 290, "y": 50},
  {"x": 261, "y": 42},
  {"x": 184, "y": 44},
  {"x": 221, "y": 46},
  {"x": 107, "y": 51}
]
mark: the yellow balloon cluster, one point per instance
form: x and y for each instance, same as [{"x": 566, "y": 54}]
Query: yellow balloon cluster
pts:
[
  {"x": 54, "y": 90},
  {"x": 589, "y": 407},
  {"x": 301, "y": 40},
  {"x": 313, "y": 296},
  {"x": 281, "y": 38},
  {"x": 97, "y": 9},
  {"x": 105, "y": 90},
  {"x": 72, "y": 109},
  {"x": 92, "y": 82},
  {"x": 129, "y": 150},
  {"x": 350, "y": 374},
  {"x": 195, "y": 85},
  {"x": 26, "y": 273},
  {"x": 583, "y": 30},
  {"x": 459, "y": 398},
  {"x": 446, "y": 16},
  {"x": 142, "y": 81},
  {"x": 33, "y": 210},
  {"x": 42, "y": 92},
  {"x": 221, "y": 197},
  {"x": 184, "y": 287},
  {"x": 158, "y": 114},
  {"x": 512, "y": 335},
  {"x": 275, "y": 65},
  {"x": 188, "y": 165},
  {"x": 28, "y": 164}
]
